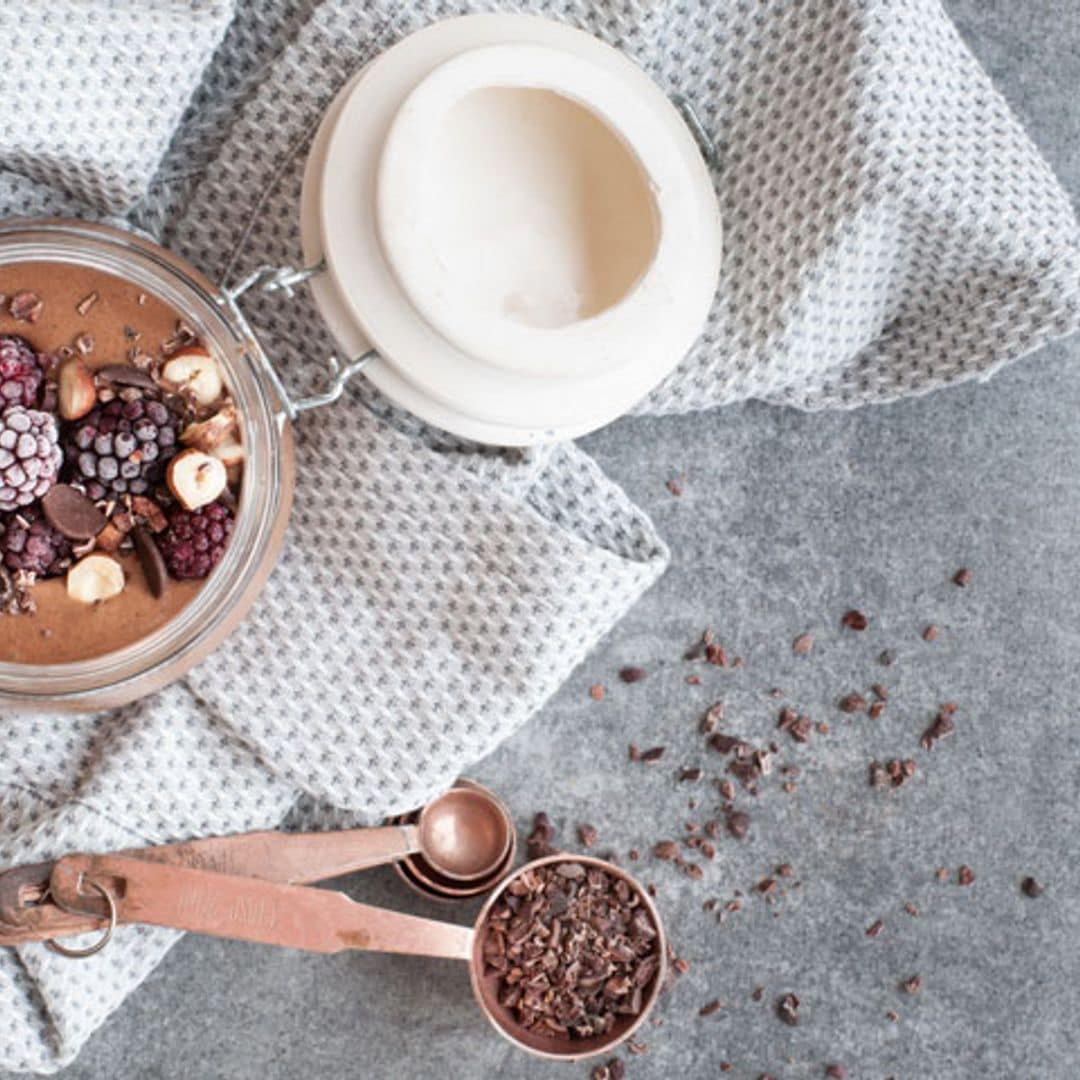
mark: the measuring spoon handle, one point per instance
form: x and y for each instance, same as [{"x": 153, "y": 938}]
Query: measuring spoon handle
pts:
[
  {"x": 290, "y": 857},
  {"x": 223, "y": 905}
]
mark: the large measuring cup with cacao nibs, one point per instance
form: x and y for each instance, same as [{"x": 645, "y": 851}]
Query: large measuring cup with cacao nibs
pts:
[{"x": 566, "y": 958}]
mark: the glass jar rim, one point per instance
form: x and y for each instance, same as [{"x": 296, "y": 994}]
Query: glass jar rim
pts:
[{"x": 120, "y": 675}]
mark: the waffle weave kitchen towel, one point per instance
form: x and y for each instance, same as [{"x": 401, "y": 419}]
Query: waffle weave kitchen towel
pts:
[{"x": 889, "y": 228}]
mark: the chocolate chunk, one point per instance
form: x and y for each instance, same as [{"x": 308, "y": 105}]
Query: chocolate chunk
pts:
[
  {"x": 71, "y": 513},
  {"x": 854, "y": 620},
  {"x": 1030, "y": 887},
  {"x": 151, "y": 561},
  {"x": 127, "y": 375}
]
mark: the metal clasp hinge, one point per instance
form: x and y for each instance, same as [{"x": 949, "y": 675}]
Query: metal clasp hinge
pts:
[{"x": 285, "y": 279}]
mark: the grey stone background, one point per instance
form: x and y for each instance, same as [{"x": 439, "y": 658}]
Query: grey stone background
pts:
[{"x": 785, "y": 521}]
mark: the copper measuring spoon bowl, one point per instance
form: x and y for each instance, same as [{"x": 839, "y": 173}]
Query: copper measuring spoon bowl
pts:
[
  {"x": 423, "y": 876},
  {"x": 320, "y": 920},
  {"x": 464, "y": 835}
]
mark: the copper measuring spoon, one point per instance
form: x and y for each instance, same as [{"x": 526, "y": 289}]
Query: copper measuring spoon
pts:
[
  {"x": 320, "y": 920},
  {"x": 465, "y": 831}
]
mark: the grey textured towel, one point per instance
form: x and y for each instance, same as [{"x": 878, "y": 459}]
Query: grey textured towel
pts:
[{"x": 889, "y": 228}]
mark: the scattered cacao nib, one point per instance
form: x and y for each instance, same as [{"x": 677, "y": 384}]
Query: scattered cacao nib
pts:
[
  {"x": 693, "y": 680},
  {"x": 86, "y": 303},
  {"x": 800, "y": 730},
  {"x": 596, "y": 692},
  {"x": 836, "y": 1072},
  {"x": 757, "y": 993},
  {"x": 962, "y": 577},
  {"x": 738, "y": 824},
  {"x": 852, "y": 703},
  {"x": 573, "y": 951},
  {"x": 707, "y": 849},
  {"x": 587, "y": 835},
  {"x": 713, "y": 716},
  {"x": 690, "y": 775},
  {"x": 726, "y": 789},
  {"x": 724, "y": 744},
  {"x": 787, "y": 1008},
  {"x": 880, "y": 691},
  {"x": 941, "y": 874},
  {"x": 539, "y": 841},
  {"x": 633, "y": 752},
  {"x": 668, "y": 850},
  {"x": 894, "y": 773},
  {"x": 713, "y": 1006},
  {"x": 875, "y": 928},
  {"x": 854, "y": 620},
  {"x": 765, "y": 886},
  {"x": 822, "y": 727},
  {"x": 942, "y": 727},
  {"x": 652, "y": 755},
  {"x": 675, "y": 485},
  {"x": 26, "y": 306},
  {"x": 912, "y": 985},
  {"x": 803, "y": 644},
  {"x": 693, "y": 870},
  {"x": 911, "y": 909},
  {"x": 892, "y": 1015},
  {"x": 726, "y": 1066},
  {"x": 965, "y": 875},
  {"x": 680, "y": 965},
  {"x": 785, "y": 870},
  {"x": 887, "y": 657},
  {"x": 632, "y": 674},
  {"x": 637, "y": 1048},
  {"x": 930, "y": 633},
  {"x": 1030, "y": 887},
  {"x": 716, "y": 655},
  {"x": 697, "y": 651},
  {"x": 876, "y": 710}
]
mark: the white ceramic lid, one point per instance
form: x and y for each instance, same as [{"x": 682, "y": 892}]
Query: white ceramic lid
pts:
[{"x": 518, "y": 220}]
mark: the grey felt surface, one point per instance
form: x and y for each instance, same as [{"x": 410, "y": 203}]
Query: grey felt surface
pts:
[{"x": 785, "y": 521}]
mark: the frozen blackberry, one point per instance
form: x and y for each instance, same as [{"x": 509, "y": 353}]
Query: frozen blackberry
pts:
[
  {"x": 195, "y": 540},
  {"x": 30, "y": 456},
  {"x": 21, "y": 372},
  {"x": 28, "y": 542},
  {"x": 121, "y": 448}
]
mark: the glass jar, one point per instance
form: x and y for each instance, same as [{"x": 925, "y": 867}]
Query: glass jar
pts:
[{"x": 264, "y": 410}]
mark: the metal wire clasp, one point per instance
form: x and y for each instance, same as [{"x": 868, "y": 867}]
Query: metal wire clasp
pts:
[{"x": 284, "y": 279}]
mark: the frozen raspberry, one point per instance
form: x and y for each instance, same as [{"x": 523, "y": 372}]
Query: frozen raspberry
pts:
[
  {"x": 195, "y": 540},
  {"x": 30, "y": 456},
  {"x": 28, "y": 542},
  {"x": 21, "y": 372},
  {"x": 122, "y": 447}
]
